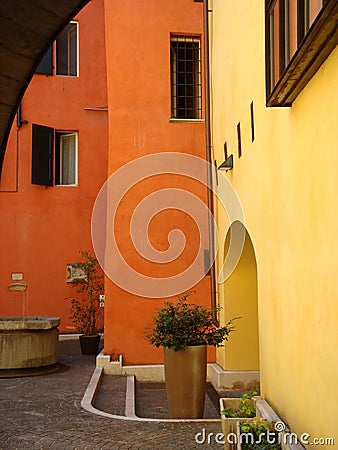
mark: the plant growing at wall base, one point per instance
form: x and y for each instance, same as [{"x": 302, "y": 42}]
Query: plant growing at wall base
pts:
[
  {"x": 177, "y": 326},
  {"x": 85, "y": 306},
  {"x": 246, "y": 408}
]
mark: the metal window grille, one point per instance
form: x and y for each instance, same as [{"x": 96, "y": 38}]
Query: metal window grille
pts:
[{"x": 186, "y": 89}]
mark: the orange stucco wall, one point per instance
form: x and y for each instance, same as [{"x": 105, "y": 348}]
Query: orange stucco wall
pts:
[
  {"x": 138, "y": 73},
  {"x": 124, "y": 59},
  {"x": 42, "y": 228}
]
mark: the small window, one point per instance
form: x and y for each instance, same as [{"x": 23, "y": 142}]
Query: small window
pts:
[
  {"x": 67, "y": 51},
  {"x": 252, "y": 121},
  {"x": 239, "y": 140},
  {"x": 185, "y": 64},
  {"x": 66, "y": 158},
  {"x": 45, "y": 156}
]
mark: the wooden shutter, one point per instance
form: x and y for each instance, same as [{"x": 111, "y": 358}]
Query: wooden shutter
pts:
[
  {"x": 46, "y": 65},
  {"x": 42, "y": 155}
]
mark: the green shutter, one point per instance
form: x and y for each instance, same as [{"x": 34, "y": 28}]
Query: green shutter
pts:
[{"x": 42, "y": 155}]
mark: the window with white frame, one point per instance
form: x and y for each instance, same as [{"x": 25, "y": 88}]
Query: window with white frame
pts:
[
  {"x": 66, "y": 158},
  {"x": 185, "y": 67},
  {"x": 67, "y": 51}
]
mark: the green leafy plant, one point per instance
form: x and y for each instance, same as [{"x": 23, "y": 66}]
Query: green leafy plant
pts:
[
  {"x": 259, "y": 434},
  {"x": 179, "y": 325},
  {"x": 246, "y": 407},
  {"x": 85, "y": 305}
]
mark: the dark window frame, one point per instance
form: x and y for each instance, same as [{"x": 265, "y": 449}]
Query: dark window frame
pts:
[
  {"x": 303, "y": 7},
  {"x": 315, "y": 47},
  {"x": 185, "y": 77}
]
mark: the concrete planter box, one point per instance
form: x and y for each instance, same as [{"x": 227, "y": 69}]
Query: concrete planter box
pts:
[
  {"x": 229, "y": 424},
  {"x": 238, "y": 433},
  {"x": 28, "y": 341},
  {"x": 264, "y": 410}
]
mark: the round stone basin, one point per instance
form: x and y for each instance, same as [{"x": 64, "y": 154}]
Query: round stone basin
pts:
[{"x": 28, "y": 341}]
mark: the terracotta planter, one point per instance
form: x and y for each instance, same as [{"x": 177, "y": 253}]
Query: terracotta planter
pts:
[
  {"x": 89, "y": 344},
  {"x": 185, "y": 377}
]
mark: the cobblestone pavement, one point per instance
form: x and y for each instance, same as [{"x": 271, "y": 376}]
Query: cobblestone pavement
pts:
[{"x": 44, "y": 412}]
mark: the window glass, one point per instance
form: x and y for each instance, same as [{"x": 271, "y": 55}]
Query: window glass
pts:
[
  {"x": 315, "y": 7},
  {"x": 293, "y": 26},
  {"x": 66, "y": 51},
  {"x": 66, "y": 166},
  {"x": 302, "y": 19},
  {"x": 46, "y": 65}
]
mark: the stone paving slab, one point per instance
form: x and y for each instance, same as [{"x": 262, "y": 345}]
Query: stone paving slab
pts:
[{"x": 44, "y": 412}]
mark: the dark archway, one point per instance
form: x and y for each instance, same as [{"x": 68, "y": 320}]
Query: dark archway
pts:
[{"x": 27, "y": 29}]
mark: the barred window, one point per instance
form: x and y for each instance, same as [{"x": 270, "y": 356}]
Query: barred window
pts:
[{"x": 185, "y": 62}]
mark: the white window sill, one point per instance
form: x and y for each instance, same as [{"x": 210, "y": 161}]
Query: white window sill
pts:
[{"x": 186, "y": 120}]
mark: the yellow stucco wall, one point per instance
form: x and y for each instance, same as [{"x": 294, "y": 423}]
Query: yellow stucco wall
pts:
[
  {"x": 287, "y": 184},
  {"x": 241, "y": 300}
]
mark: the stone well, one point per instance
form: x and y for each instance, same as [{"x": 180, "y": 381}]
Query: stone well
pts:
[{"x": 28, "y": 341}]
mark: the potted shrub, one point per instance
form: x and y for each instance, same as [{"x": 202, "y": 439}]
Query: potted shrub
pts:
[
  {"x": 257, "y": 434},
  {"x": 86, "y": 312},
  {"x": 233, "y": 409},
  {"x": 185, "y": 330}
]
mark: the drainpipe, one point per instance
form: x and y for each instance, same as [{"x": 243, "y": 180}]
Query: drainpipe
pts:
[{"x": 208, "y": 153}]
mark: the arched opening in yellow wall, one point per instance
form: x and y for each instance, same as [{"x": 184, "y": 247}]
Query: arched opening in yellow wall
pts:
[{"x": 241, "y": 300}]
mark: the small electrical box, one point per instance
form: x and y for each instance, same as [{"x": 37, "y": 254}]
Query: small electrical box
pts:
[{"x": 102, "y": 300}]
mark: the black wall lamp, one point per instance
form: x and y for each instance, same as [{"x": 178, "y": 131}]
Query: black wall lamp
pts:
[{"x": 228, "y": 164}]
